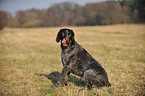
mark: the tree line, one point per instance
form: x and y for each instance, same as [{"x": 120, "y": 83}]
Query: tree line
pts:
[{"x": 68, "y": 13}]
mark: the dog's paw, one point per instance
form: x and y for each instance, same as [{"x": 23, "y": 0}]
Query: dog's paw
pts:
[{"x": 61, "y": 83}]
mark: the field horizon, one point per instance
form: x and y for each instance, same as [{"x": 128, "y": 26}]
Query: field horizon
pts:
[{"x": 29, "y": 55}]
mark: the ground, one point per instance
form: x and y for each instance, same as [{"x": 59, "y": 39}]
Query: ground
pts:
[{"x": 26, "y": 52}]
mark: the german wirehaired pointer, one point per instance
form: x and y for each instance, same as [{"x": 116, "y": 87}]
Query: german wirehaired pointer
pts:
[{"x": 77, "y": 60}]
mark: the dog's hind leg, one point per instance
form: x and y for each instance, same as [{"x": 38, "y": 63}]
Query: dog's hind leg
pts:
[{"x": 94, "y": 78}]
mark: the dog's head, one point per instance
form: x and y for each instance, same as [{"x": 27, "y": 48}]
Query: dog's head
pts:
[{"x": 66, "y": 36}]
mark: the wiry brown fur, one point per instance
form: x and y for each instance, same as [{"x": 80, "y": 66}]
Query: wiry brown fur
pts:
[{"x": 78, "y": 61}]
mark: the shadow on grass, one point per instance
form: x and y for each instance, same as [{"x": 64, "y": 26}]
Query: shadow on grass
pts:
[{"x": 54, "y": 77}]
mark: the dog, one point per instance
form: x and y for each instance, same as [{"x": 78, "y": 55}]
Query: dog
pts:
[{"x": 78, "y": 61}]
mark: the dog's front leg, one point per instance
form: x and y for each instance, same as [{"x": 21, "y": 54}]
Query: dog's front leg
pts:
[{"x": 64, "y": 76}]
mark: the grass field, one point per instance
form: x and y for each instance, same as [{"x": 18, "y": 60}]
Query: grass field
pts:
[{"x": 119, "y": 48}]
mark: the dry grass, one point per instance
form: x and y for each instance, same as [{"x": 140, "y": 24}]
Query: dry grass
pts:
[{"x": 119, "y": 48}]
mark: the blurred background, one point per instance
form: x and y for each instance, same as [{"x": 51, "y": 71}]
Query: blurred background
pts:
[{"x": 45, "y": 13}]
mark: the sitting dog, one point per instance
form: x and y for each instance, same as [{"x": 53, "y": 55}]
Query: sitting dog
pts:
[{"x": 77, "y": 60}]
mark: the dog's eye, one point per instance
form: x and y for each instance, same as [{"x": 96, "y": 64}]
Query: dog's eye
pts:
[
  {"x": 69, "y": 34},
  {"x": 63, "y": 34}
]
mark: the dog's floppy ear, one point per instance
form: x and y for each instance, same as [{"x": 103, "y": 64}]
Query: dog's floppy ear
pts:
[
  {"x": 58, "y": 36},
  {"x": 72, "y": 33},
  {"x": 72, "y": 37}
]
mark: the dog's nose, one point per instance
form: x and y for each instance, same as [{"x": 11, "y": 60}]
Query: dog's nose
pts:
[{"x": 67, "y": 39}]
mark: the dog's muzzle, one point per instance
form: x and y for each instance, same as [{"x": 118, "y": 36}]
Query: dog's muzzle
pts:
[{"x": 65, "y": 41}]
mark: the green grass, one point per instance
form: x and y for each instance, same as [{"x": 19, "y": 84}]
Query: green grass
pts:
[{"x": 119, "y": 48}]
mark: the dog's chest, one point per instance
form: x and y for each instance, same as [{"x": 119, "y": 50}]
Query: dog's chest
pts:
[
  {"x": 64, "y": 57},
  {"x": 67, "y": 57}
]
